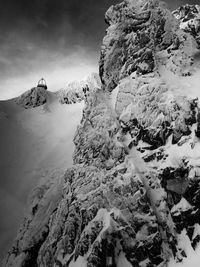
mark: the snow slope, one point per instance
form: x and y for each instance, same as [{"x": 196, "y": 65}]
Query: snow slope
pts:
[{"x": 33, "y": 142}]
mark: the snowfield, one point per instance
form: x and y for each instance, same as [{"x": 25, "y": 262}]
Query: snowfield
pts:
[{"x": 33, "y": 143}]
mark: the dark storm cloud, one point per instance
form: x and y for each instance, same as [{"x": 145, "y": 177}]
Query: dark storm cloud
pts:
[
  {"x": 48, "y": 20},
  {"x": 40, "y": 28}
]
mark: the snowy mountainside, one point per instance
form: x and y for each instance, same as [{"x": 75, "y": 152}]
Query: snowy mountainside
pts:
[
  {"x": 32, "y": 98},
  {"x": 132, "y": 196},
  {"x": 74, "y": 91},
  {"x": 35, "y": 142}
]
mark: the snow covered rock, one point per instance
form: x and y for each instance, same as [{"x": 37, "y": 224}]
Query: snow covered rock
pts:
[
  {"x": 189, "y": 17},
  {"x": 35, "y": 97},
  {"x": 134, "y": 188},
  {"x": 103, "y": 211},
  {"x": 142, "y": 36},
  {"x": 44, "y": 200},
  {"x": 77, "y": 91},
  {"x": 154, "y": 111}
]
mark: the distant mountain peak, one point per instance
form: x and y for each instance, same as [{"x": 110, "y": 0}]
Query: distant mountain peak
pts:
[{"x": 32, "y": 98}]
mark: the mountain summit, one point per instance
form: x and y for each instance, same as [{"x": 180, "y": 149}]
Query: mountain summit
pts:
[{"x": 132, "y": 196}]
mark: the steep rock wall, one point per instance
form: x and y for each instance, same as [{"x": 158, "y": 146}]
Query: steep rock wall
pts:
[
  {"x": 133, "y": 192},
  {"x": 142, "y": 36}
]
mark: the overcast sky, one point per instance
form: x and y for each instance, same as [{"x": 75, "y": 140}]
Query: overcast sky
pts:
[{"x": 57, "y": 39}]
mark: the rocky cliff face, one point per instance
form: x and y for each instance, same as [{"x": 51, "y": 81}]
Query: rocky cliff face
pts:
[
  {"x": 132, "y": 196},
  {"x": 142, "y": 36}
]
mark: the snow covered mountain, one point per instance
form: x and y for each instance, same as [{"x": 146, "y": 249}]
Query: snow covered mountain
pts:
[
  {"x": 36, "y": 142},
  {"x": 74, "y": 91},
  {"x": 132, "y": 196}
]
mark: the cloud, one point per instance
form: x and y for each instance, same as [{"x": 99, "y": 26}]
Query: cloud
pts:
[
  {"x": 45, "y": 37},
  {"x": 25, "y": 57},
  {"x": 57, "y": 69}
]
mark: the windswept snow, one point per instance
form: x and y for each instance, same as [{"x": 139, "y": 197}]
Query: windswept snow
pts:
[
  {"x": 183, "y": 205},
  {"x": 193, "y": 256},
  {"x": 33, "y": 143},
  {"x": 122, "y": 261},
  {"x": 181, "y": 85}
]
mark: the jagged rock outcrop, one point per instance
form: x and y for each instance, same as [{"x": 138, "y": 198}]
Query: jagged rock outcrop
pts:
[
  {"x": 142, "y": 37},
  {"x": 35, "y": 97},
  {"x": 132, "y": 196},
  {"x": 103, "y": 213},
  {"x": 189, "y": 17},
  {"x": 153, "y": 112},
  {"x": 34, "y": 230},
  {"x": 77, "y": 91}
]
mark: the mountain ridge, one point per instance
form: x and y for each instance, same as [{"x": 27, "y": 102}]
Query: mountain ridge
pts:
[
  {"x": 132, "y": 196},
  {"x": 32, "y": 145}
]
